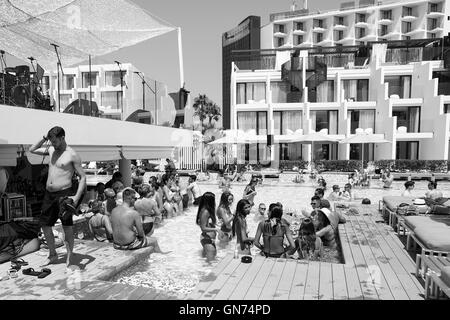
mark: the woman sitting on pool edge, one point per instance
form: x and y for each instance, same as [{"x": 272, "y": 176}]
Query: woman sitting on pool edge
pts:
[
  {"x": 239, "y": 226},
  {"x": 206, "y": 219},
  {"x": 274, "y": 231}
]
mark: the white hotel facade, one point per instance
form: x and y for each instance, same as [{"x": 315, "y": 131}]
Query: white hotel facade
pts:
[{"x": 400, "y": 91}]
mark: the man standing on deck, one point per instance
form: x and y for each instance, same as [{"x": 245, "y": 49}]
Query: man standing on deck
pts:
[{"x": 60, "y": 202}]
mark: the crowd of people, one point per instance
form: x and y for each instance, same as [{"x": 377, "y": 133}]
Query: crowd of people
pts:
[{"x": 274, "y": 236}]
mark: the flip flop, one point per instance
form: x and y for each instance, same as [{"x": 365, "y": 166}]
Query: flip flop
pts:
[
  {"x": 12, "y": 273},
  {"x": 44, "y": 273},
  {"x": 30, "y": 272},
  {"x": 16, "y": 267},
  {"x": 19, "y": 262}
]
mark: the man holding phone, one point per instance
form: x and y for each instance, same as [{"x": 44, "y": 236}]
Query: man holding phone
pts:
[{"x": 60, "y": 202}]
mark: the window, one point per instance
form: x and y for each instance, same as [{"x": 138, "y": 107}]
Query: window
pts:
[
  {"x": 255, "y": 91},
  {"x": 356, "y": 90},
  {"x": 407, "y": 12},
  {"x": 45, "y": 85},
  {"x": 339, "y": 21},
  {"x": 363, "y": 119},
  {"x": 85, "y": 79},
  {"x": 323, "y": 93},
  {"x": 280, "y": 42},
  {"x": 112, "y": 99},
  {"x": 318, "y": 23},
  {"x": 447, "y": 108},
  {"x": 112, "y": 78},
  {"x": 399, "y": 85},
  {"x": 433, "y": 7},
  {"x": 319, "y": 37},
  {"x": 68, "y": 82},
  {"x": 432, "y": 24},
  {"x": 325, "y": 120},
  {"x": 408, "y": 117},
  {"x": 252, "y": 120},
  {"x": 299, "y": 26},
  {"x": 338, "y": 35},
  {"x": 299, "y": 40},
  {"x": 65, "y": 101},
  {"x": 443, "y": 82},
  {"x": 386, "y": 14},
  {"x": 86, "y": 95},
  {"x": 383, "y": 30},
  {"x": 407, "y": 38},
  {"x": 406, "y": 27},
  {"x": 279, "y": 28},
  {"x": 360, "y": 32},
  {"x": 287, "y": 120},
  {"x": 356, "y": 152},
  {"x": 279, "y": 91},
  {"x": 360, "y": 17},
  {"x": 407, "y": 150}
]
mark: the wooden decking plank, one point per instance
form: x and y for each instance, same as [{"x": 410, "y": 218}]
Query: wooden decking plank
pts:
[
  {"x": 326, "y": 282},
  {"x": 368, "y": 289},
  {"x": 243, "y": 286},
  {"x": 255, "y": 289},
  {"x": 407, "y": 280},
  {"x": 374, "y": 273},
  {"x": 400, "y": 260},
  {"x": 298, "y": 283},
  {"x": 270, "y": 288},
  {"x": 232, "y": 282},
  {"x": 354, "y": 286},
  {"x": 284, "y": 287},
  {"x": 339, "y": 283},
  {"x": 312, "y": 281},
  {"x": 201, "y": 288},
  {"x": 221, "y": 279},
  {"x": 383, "y": 271},
  {"x": 345, "y": 245}
]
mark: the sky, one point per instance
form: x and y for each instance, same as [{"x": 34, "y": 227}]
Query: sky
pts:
[{"x": 202, "y": 23}]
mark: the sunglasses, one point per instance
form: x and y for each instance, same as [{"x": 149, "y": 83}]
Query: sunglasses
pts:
[{"x": 262, "y": 209}]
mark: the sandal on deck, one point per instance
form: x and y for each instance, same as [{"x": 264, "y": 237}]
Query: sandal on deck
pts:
[
  {"x": 44, "y": 273},
  {"x": 30, "y": 272},
  {"x": 19, "y": 262},
  {"x": 12, "y": 273}
]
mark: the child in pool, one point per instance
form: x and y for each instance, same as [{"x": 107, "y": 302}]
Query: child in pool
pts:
[{"x": 308, "y": 244}]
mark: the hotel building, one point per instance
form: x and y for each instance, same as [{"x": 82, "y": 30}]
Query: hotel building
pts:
[{"x": 382, "y": 67}]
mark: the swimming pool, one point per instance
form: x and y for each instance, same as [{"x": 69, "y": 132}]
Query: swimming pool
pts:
[{"x": 180, "y": 271}]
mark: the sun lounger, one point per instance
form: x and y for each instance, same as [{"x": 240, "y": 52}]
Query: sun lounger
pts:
[
  {"x": 390, "y": 206},
  {"x": 431, "y": 233},
  {"x": 437, "y": 277}
]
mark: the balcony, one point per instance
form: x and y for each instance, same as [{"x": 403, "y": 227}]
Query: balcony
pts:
[
  {"x": 319, "y": 29},
  {"x": 361, "y": 24},
  {"x": 279, "y": 34},
  {"x": 385, "y": 21},
  {"x": 255, "y": 62},
  {"x": 299, "y": 32},
  {"x": 340, "y": 27},
  {"x": 409, "y": 18},
  {"x": 346, "y": 41}
]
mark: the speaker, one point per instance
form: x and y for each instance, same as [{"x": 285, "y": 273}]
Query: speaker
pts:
[{"x": 270, "y": 139}]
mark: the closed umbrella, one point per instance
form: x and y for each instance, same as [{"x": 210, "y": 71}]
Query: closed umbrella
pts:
[{"x": 364, "y": 138}]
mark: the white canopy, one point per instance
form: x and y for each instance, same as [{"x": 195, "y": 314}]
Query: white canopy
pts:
[{"x": 78, "y": 27}]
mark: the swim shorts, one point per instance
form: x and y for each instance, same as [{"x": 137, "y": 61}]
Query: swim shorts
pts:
[
  {"x": 148, "y": 227},
  {"x": 53, "y": 207},
  {"x": 136, "y": 244}
]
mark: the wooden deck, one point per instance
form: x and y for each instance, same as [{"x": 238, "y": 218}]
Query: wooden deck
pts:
[
  {"x": 376, "y": 268},
  {"x": 97, "y": 263}
]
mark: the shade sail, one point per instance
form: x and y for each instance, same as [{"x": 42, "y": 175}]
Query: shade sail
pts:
[
  {"x": 78, "y": 27},
  {"x": 313, "y": 138}
]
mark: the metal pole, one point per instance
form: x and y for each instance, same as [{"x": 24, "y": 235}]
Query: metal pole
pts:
[
  {"x": 59, "y": 96},
  {"x": 143, "y": 94},
  {"x": 3, "y": 75},
  {"x": 90, "y": 84},
  {"x": 156, "y": 105}
]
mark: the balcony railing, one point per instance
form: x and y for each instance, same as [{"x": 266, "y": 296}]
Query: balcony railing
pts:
[
  {"x": 443, "y": 82},
  {"x": 407, "y": 55},
  {"x": 255, "y": 62}
]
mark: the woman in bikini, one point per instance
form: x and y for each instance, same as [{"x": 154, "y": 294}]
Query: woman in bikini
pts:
[
  {"x": 239, "y": 226},
  {"x": 167, "y": 196},
  {"x": 225, "y": 216},
  {"x": 206, "y": 219},
  {"x": 274, "y": 231},
  {"x": 250, "y": 192}
]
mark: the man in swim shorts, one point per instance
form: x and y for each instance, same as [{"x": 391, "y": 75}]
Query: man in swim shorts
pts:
[
  {"x": 60, "y": 201},
  {"x": 125, "y": 220}
]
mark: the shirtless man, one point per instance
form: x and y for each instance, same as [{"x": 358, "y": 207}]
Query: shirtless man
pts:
[
  {"x": 126, "y": 222},
  {"x": 64, "y": 162},
  {"x": 147, "y": 208}
]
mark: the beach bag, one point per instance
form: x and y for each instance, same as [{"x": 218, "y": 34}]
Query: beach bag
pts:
[{"x": 406, "y": 209}]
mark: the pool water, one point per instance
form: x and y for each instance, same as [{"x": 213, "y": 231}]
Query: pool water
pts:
[{"x": 181, "y": 270}]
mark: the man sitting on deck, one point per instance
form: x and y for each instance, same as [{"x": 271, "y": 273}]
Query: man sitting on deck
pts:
[{"x": 126, "y": 222}]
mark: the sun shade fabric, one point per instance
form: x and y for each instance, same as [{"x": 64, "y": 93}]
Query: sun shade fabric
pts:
[{"x": 79, "y": 28}]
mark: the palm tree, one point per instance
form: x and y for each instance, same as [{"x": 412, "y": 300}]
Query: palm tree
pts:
[{"x": 206, "y": 109}]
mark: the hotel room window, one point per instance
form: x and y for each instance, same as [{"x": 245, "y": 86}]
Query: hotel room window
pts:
[
  {"x": 251, "y": 92},
  {"x": 356, "y": 90},
  {"x": 399, "y": 85},
  {"x": 112, "y": 78},
  {"x": 85, "y": 79},
  {"x": 68, "y": 82},
  {"x": 280, "y": 42},
  {"x": 298, "y": 26}
]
